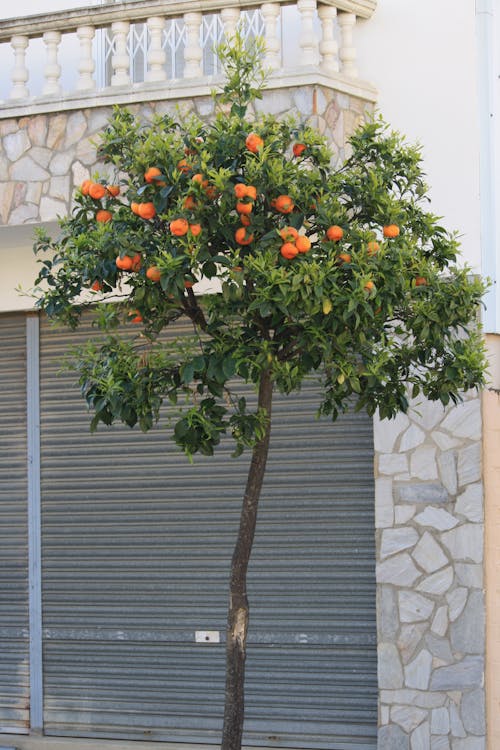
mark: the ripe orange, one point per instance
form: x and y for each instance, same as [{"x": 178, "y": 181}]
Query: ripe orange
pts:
[
  {"x": 251, "y": 192},
  {"x": 113, "y": 190},
  {"x": 128, "y": 263},
  {"x": 179, "y": 227},
  {"x": 84, "y": 187},
  {"x": 146, "y": 210},
  {"x": 289, "y": 250},
  {"x": 289, "y": 234},
  {"x": 254, "y": 142},
  {"x": 135, "y": 316},
  {"x": 244, "y": 208},
  {"x": 303, "y": 243},
  {"x": 240, "y": 190},
  {"x": 188, "y": 284},
  {"x": 299, "y": 148},
  {"x": 97, "y": 191},
  {"x": 151, "y": 176},
  {"x": 96, "y": 286},
  {"x": 420, "y": 281},
  {"x": 103, "y": 216},
  {"x": 200, "y": 180},
  {"x": 189, "y": 202},
  {"x": 245, "y": 220},
  {"x": 284, "y": 204},
  {"x": 195, "y": 229},
  {"x": 334, "y": 233},
  {"x": 242, "y": 237},
  {"x": 390, "y": 231},
  {"x": 153, "y": 273},
  {"x": 183, "y": 166},
  {"x": 369, "y": 286},
  {"x": 134, "y": 207},
  {"x": 373, "y": 247},
  {"x": 345, "y": 257}
]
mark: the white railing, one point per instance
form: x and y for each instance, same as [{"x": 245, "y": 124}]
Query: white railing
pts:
[{"x": 127, "y": 48}]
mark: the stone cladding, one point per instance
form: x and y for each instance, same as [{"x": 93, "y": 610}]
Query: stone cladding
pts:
[
  {"x": 430, "y": 599},
  {"x": 44, "y": 157}
]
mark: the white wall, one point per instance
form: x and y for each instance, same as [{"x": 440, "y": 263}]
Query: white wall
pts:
[{"x": 421, "y": 55}]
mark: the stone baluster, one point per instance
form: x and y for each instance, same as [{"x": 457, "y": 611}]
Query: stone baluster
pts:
[
  {"x": 120, "y": 59},
  {"x": 156, "y": 54},
  {"x": 229, "y": 18},
  {"x": 270, "y": 13},
  {"x": 20, "y": 72},
  {"x": 86, "y": 67},
  {"x": 347, "y": 21},
  {"x": 308, "y": 41},
  {"x": 328, "y": 47},
  {"x": 52, "y": 69},
  {"x": 193, "y": 53}
]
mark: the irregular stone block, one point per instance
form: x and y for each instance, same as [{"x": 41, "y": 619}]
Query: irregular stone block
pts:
[
  {"x": 470, "y": 575},
  {"x": 409, "y": 639},
  {"x": 408, "y": 717},
  {"x": 414, "y": 607},
  {"x": 414, "y": 698},
  {"x": 470, "y": 743},
  {"x": 437, "y": 518},
  {"x": 420, "y": 738},
  {"x": 468, "y": 631},
  {"x": 464, "y": 675},
  {"x": 390, "y": 671},
  {"x": 440, "y": 721},
  {"x": 412, "y": 438},
  {"x": 426, "y": 413},
  {"x": 42, "y": 156},
  {"x": 61, "y": 163},
  {"x": 16, "y": 144},
  {"x": 398, "y": 570},
  {"x": 6, "y": 195},
  {"x": 428, "y": 554},
  {"x": 27, "y": 170},
  {"x": 465, "y": 542},
  {"x": 418, "y": 672},
  {"x": 440, "y": 743},
  {"x": 57, "y": 129},
  {"x": 423, "y": 463},
  {"x": 473, "y": 712},
  {"x": 24, "y": 214},
  {"x": 447, "y": 465},
  {"x": 469, "y": 465},
  {"x": 392, "y": 463},
  {"x": 456, "y": 600},
  {"x": 397, "y": 540},
  {"x": 403, "y": 514},
  {"x": 444, "y": 441},
  {"x": 470, "y": 503},
  {"x": 464, "y": 420},
  {"x": 439, "y": 647},
  {"x": 392, "y": 737},
  {"x": 50, "y": 209},
  {"x": 440, "y": 622},
  {"x": 387, "y": 613},
  {"x": 37, "y": 130},
  {"x": 457, "y": 728},
  {"x": 438, "y": 583},
  {"x": 419, "y": 492},
  {"x": 75, "y": 128}
]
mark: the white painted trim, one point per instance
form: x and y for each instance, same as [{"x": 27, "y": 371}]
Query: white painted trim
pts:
[
  {"x": 34, "y": 522},
  {"x": 489, "y": 183}
]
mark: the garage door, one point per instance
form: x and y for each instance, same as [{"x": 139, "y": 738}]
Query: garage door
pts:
[{"x": 136, "y": 549}]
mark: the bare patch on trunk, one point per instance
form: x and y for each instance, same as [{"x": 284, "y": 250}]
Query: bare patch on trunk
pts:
[{"x": 240, "y": 627}]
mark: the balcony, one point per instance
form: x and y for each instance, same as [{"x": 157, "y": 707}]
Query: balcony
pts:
[{"x": 153, "y": 50}]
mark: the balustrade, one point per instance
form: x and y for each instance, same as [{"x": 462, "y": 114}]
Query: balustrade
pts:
[{"x": 174, "y": 44}]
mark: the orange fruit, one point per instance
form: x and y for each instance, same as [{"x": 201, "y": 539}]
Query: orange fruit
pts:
[
  {"x": 254, "y": 142},
  {"x": 242, "y": 237},
  {"x": 369, "y": 286},
  {"x": 372, "y": 247},
  {"x": 299, "y": 148},
  {"x": 195, "y": 229},
  {"x": 135, "y": 316},
  {"x": 103, "y": 216},
  {"x": 334, "y": 233},
  {"x": 188, "y": 284},
  {"x": 289, "y": 234},
  {"x": 125, "y": 263},
  {"x": 84, "y": 187},
  {"x": 211, "y": 192},
  {"x": 146, "y": 210},
  {"x": 345, "y": 257},
  {"x": 200, "y": 180},
  {"x": 113, "y": 190},
  {"x": 303, "y": 243},
  {"x": 189, "y": 202},
  {"x": 245, "y": 220},
  {"x": 240, "y": 190},
  {"x": 390, "y": 231},
  {"x": 96, "y": 286},
  {"x": 179, "y": 227},
  {"x": 97, "y": 191},
  {"x": 183, "y": 166},
  {"x": 289, "y": 250},
  {"x": 284, "y": 204},
  {"x": 151, "y": 176},
  {"x": 244, "y": 208},
  {"x": 420, "y": 281},
  {"x": 251, "y": 192},
  {"x": 134, "y": 207},
  {"x": 153, "y": 273}
]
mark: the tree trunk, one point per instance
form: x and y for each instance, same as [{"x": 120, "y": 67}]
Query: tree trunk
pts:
[{"x": 238, "y": 613}]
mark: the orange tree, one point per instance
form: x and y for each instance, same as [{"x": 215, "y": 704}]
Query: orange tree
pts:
[{"x": 340, "y": 272}]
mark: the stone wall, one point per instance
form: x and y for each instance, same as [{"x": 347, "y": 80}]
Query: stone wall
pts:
[
  {"x": 431, "y": 627},
  {"x": 43, "y": 157}
]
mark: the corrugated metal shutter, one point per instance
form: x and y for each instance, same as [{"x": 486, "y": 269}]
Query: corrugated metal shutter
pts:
[
  {"x": 136, "y": 549},
  {"x": 14, "y": 617}
]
